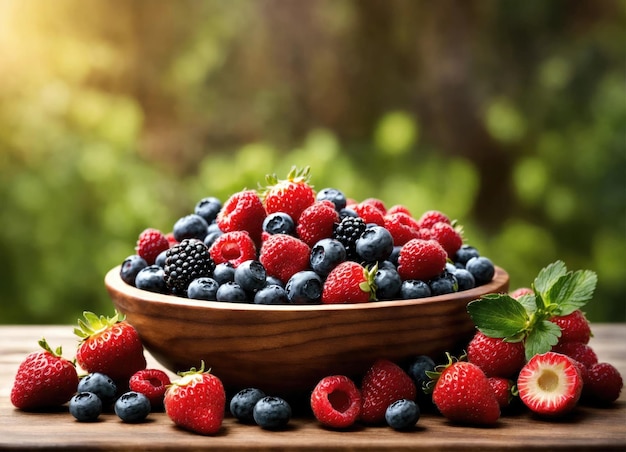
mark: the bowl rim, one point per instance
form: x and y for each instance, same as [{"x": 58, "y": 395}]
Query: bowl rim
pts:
[{"x": 114, "y": 283}]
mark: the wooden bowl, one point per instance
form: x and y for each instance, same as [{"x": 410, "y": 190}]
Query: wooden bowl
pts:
[{"x": 288, "y": 349}]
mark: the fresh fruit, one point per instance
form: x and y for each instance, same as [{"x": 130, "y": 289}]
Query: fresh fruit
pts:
[
  {"x": 304, "y": 287},
  {"x": 578, "y": 351},
  {"x": 188, "y": 260},
  {"x": 101, "y": 385},
  {"x": 388, "y": 283},
  {"x": 370, "y": 213},
  {"x": 465, "y": 280},
  {"x": 132, "y": 407},
  {"x": 317, "y": 222},
  {"x": 443, "y": 284},
  {"x": 550, "y": 384},
  {"x": 414, "y": 288},
  {"x": 574, "y": 327},
  {"x": 291, "y": 195},
  {"x": 273, "y": 256},
  {"x": 279, "y": 223},
  {"x": 383, "y": 383},
  {"x": 402, "y": 414},
  {"x": 109, "y": 345},
  {"x": 349, "y": 282},
  {"x": 150, "y": 244},
  {"x": 242, "y": 404},
  {"x": 208, "y": 208},
  {"x": 449, "y": 237},
  {"x": 131, "y": 266},
  {"x": 271, "y": 294},
  {"x": 402, "y": 227},
  {"x": 375, "y": 244},
  {"x": 233, "y": 247},
  {"x": 85, "y": 406},
  {"x": 503, "y": 389},
  {"x": 326, "y": 255},
  {"x": 224, "y": 272},
  {"x": 196, "y": 401},
  {"x": 421, "y": 259},
  {"x": 603, "y": 384},
  {"x": 432, "y": 217},
  {"x": 152, "y": 279},
  {"x": 333, "y": 195},
  {"x": 204, "y": 288},
  {"x": 190, "y": 226},
  {"x": 347, "y": 232},
  {"x": 495, "y": 356},
  {"x": 250, "y": 275},
  {"x": 243, "y": 211},
  {"x": 481, "y": 268},
  {"x": 44, "y": 380},
  {"x": 152, "y": 383},
  {"x": 272, "y": 413},
  {"x": 231, "y": 292},
  {"x": 417, "y": 369},
  {"x": 336, "y": 401}
]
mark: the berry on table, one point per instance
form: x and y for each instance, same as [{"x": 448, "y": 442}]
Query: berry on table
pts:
[
  {"x": 503, "y": 388},
  {"x": 574, "y": 327},
  {"x": 242, "y": 404},
  {"x": 603, "y": 384},
  {"x": 402, "y": 414},
  {"x": 336, "y": 401},
  {"x": 271, "y": 413},
  {"x": 152, "y": 383},
  {"x": 578, "y": 351},
  {"x": 101, "y": 385},
  {"x": 132, "y": 407},
  {"x": 495, "y": 356},
  {"x": 85, "y": 406}
]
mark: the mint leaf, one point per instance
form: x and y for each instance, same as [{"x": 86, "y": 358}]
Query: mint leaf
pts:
[
  {"x": 498, "y": 315},
  {"x": 548, "y": 276},
  {"x": 571, "y": 292},
  {"x": 541, "y": 338}
]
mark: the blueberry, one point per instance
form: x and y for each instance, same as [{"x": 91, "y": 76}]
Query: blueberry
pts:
[
  {"x": 279, "y": 223},
  {"x": 273, "y": 280},
  {"x": 271, "y": 413},
  {"x": 231, "y": 292},
  {"x": 224, "y": 273},
  {"x": 414, "y": 288},
  {"x": 132, "y": 407},
  {"x": 99, "y": 384},
  {"x": 443, "y": 284},
  {"x": 160, "y": 259},
  {"x": 85, "y": 406},
  {"x": 151, "y": 278},
  {"x": 242, "y": 404},
  {"x": 271, "y": 294},
  {"x": 250, "y": 275},
  {"x": 465, "y": 279},
  {"x": 402, "y": 414},
  {"x": 481, "y": 268},
  {"x": 304, "y": 287},
  {"x": 393, "y": 257},
  {"x": 211, "y": 237},
  {"x": 388, "y": 283},
  {"x": 204, "y": 288},
  {"x": 333, "y": 195},
  {"x": 326, "y": 255},
  {"x": 417, "y": 369},
  {"x": 191, "y": 226},
  {"x": 347, "y": 212},
  {"x": 464, "y": 254},
  {"x": 208, "y": 208},
  {"x": 130, "y": 267},
  {"x": 375, "y": 244}
]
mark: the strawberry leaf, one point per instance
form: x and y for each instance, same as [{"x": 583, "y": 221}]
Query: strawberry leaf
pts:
[
  {"x": 571, "y": 292},
  {"x": 498, "y": 315},
  {"x": 548, "y": 276},
  {"x": 541, "y": 338},
  {"x": 529, "y": 303}
]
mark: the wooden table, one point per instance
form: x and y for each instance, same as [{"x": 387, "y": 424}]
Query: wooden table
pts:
[{"x": 586, "y": 428}]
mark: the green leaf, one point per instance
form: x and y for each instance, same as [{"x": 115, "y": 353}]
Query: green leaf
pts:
[
  {"x": 541, "y": 338},
  {"x": 548, "y": 276},
  {"x": 572, "y": 291},
  {"x": 498, "y": 315},
  {"x": 529, "y": 303}
]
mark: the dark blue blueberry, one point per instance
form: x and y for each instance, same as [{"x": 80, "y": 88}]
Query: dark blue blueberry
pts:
[
  {"x": 387, "y": 264},
  {"x": 85, "y": 406},
  {"x": 204, "y": 288},
  {"x": 375, "y": 244},
  {"x": 211, "y": 237},
  {"x": 414, "y": 288},
  {"x": 273, "y": 280},
  {"x": 271, "y": 413},
  {"x": 333, "y": 195},
  {"x": 450, "y": 267},
  {"x": 191, "y": 226},
  {"x": 132, "y": 407},
  {"x": 101, "y": 385},
  {"x": 464, "y": 254},
  {"x": 347, "y": 212},
  {"x": 417, "y": 369},
  {"x": 151, "y": 278},
  {"x": 402, "y": 414},
  {"x": 279, "y": 223},
  {"x": 160, "y": 259},
  {"x": 242, "y": 404},
  {"x": 393, "y": 257},
  {"x": 481, "y": 268},
  {"x": 130, "y": 267},
  {"x": 208, "y": 208},
  {"x": 224, "y": 272},
  {"x": 272, "y": 294},
  {"x": 388, "y": 283},
  {"x": 231, "y": 292},
  {"x": 326, "y": 255},
  {"x": 304, "y": 287},
  {"x": 250, "y": 275},
  {"x": 443, "y": 284},
  {"x": 465, "y": 279}
]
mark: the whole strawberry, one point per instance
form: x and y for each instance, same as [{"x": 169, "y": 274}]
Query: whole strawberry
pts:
[
  {"x": 504, "y": 390},
  {"x": 349, "y": 282},
  {"x": 291, "y": 195},
  {"x": 421, "y": 259},
  {"x": 109, "y": 345},
  {"x": 44, "y": 380},
  {"x": 274, "y": 252},
  {"x": 243, "y": 211},
  {"x": 196, "y": 402},
  {"x": 317, "y": 222},
  {"x": 574, "y": 327},
  {"x": 150, "y": 244},
  {"x": 495, "y": 356}
]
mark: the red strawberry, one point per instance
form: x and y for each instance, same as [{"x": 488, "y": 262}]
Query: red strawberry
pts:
[
  {"x": 520, "y": 292},
  {"x": 370, "y": 213},
  {"x": 291, "y": 195},
  {"x": 317, "y": 222},
  {"x": 383, "y": 383},
  {"x": 502, "y": 389},
  {"x": 44, "y": 380},
  {"x": 432, "y": 217},
  {"x": 496, "y": 357},
  {"x": 550, "y": 384},
  {"x": 574, "y": 327},
  {"x": 462, "y": 393},
  {"x": 150, "y": 244},
  {"x": 283, "y": 256},
  {"x": 402, "y": 227},
  {"x": 603, "y": 384},
  {"x": 349, "y": 282},
  {"x": 336, "y": 401},
  {"x": 152, "y": 383},
  {"x": 110, "y": 346},
  {"x": 582, "y": 353},
  {"x": 448, "y": 236},
  {"x": 196, "y": 402},
  {"x": 243, "y": 211},
  {"x": 421, "y": 259},
  {"x": 234, "y": 247}
]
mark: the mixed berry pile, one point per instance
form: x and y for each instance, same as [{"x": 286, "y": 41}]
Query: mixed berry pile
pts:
[{"x": 288, "y": 244}]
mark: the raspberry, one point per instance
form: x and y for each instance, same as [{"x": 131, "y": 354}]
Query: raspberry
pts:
[
  {"x": 273, "y": 256},
  {"x": 432, "y": 217},
  {"x": 447, "y": 236},
  {"x": 348, "y": 232},
  {"x": 421, "y": 259},
  {"x": 378, "y": 203},
  {"x": 496, "y": 357},
  {"x": 317, "y": 222},
  {"x": 152, "y": 383},
  {"x": 574, "y": 327},
  {"x": 402, "y": 227},
  {"x": 604, "y": 383},
  {"x": 234, "y": 247},
  {"x": 243, "y": 211},
  {"x": 336, "y": 401},
  {"x": 188, "y": 260},
  {"x": 150, "y": 244},
  {"x": 370, "y": 213},
  {"x": 582, "y": 353},
  {"x": 398, "y": 208}
]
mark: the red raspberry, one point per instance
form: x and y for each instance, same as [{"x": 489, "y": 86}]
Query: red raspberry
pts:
[
  {"x": 502, "y": 389},
  {"x": 496, "y": 357},
  {"x": 421, "y": 259},
  {"x": 369, "y": 213},
  {"x": 379, "y": 204},
  {"x": 317, "y": 222},
  {"x": 171, "y": 239},
  {"x": 432, "y": 217},
  {"x": 243, "y": 211},
  {"x": 604, "y": 383},
  {"x": 150, "y": 244},
  {"x": 283, "y": 256},
  {"x": 399, "y": 208},
  {"x": 520, "y": 292},
  {"x": 574, "y": 327},
  {"x": 582, "y": 353},
  {"x": 448, "y": 237},
  {"x": 402, "y": 227},
  {"x": 152, "y": 383},
  {"x": 234, "y": 247},
  {"x": 336, "y": 401}
]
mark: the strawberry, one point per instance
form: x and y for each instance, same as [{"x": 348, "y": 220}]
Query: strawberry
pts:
[
  {"x": 273, "y": 256},
  {"x": 336, "y": 401},
  {"x": 349, "y": 282},
  {"x": 550, "y": 384},
  {"x": 574, "y": 327},
  {"x": 402, "y": 227},
  {"x": 462, "y": 393},
  {"x": 233, "y": 247},
  {"x": 582, "y": 353},
  {"x": 150, "y": 244},
  {"x": 503, "y": 389},
  {"x": 383, "y": 383},
  {"x": 196, "y": 402},
  {"x": 421, "y": 259},
  {"x": 291, "y": 195},
  {"x": 370, "y": 213},
  {"x": 109, "y": 345},
  {"x": 603, "y": 384},
  {"x": 448, "y": 236},
  {"x": 495, "y": 356},
  {"x": 317, "y": 222},
  {"x": 431, "y": 217},
  {"x": 243, "y": 211},
  {"x": 152, "y": 383},
  {"x": 44, "y": 380}
]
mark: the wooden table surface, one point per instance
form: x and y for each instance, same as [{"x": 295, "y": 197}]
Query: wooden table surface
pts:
[{"x": 586, "y": 428}]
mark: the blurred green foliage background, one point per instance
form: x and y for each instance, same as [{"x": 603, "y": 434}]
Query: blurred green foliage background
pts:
[{"x": 116, "y": 116}]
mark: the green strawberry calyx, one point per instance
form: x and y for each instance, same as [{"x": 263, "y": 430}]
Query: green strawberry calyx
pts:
[
  {"x": 556, "y": 292},
  {"x": 94, "y": 324},
  {"x": 429, "y": 386},
  {"x": 296, "y": 175},
  {"x": 369, "y": 284},
  {"x": 191, "y": 376},
  {"x": 43, "y": 343}
]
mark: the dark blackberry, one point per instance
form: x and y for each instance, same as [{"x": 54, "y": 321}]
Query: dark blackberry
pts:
[
  {"x": 348, "y": 232},
  {"x": 186, "y": 261}
]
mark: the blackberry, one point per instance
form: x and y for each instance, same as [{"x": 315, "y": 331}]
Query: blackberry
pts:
[
  {"x": 348, "y": 232},
  {"x": 186, "y": 261}
]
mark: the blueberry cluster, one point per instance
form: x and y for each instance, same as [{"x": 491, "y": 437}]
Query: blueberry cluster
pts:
[{"x": 252, "y": 406}]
